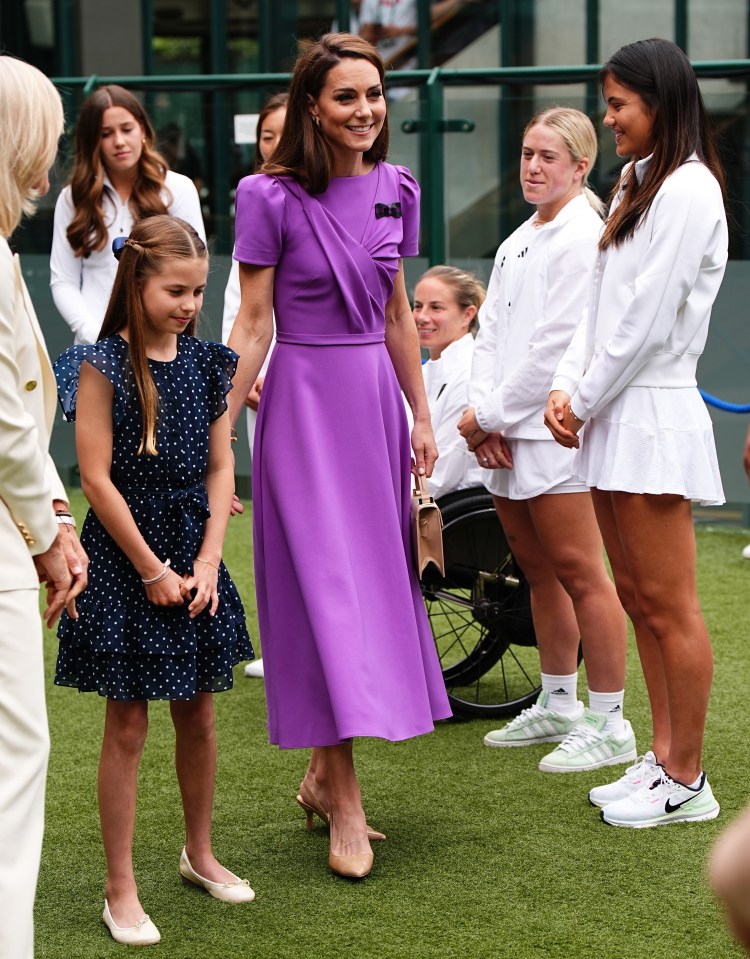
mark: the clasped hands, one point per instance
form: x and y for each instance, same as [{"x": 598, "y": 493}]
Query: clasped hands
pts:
[
  {"x": 63, "y": 568},
  {"x": 200, "y": 589},
  {"x": 560, "y": 420},
  {"x": 491, "y": 449}
]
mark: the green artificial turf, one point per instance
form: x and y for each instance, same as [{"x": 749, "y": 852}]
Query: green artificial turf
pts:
[{"x": 485, "y": 857}]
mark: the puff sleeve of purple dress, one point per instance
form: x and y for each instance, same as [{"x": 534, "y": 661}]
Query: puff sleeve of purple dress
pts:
[{"x": 347, "y": 647}]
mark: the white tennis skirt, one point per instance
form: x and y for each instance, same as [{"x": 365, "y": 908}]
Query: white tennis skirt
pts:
[
  {"x": 539, "y": 466},
  {"x": 653, "y": 440}
]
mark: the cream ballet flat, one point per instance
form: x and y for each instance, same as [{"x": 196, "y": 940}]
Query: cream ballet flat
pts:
[
  {"x": 143, "y": 933},
  {"x": 236, "y": 890}
]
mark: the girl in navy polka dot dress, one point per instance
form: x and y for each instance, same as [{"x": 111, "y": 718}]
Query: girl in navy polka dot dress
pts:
[{"x": 161, "y": 618}]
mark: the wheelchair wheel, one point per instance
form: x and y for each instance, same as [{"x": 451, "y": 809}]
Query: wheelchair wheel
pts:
[{"x": 480, "y": 613}]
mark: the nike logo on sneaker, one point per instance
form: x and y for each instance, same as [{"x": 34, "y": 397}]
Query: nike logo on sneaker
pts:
[
  {"x": 669, "y": 807},
  {"x": 673, "y": 807}
]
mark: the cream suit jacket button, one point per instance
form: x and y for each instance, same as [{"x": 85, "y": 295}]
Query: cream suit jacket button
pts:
[
  {"x": 31, "y": 385},
  {"x": 26, "y": 535}
]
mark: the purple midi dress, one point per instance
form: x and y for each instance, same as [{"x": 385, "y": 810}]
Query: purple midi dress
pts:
[{"x": 347, "y": 646}]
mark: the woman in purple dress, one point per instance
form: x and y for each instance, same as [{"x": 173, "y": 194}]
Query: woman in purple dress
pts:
[{"x": 319, "y": 237}]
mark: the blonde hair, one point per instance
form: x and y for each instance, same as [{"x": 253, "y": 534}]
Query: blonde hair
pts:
[
  {"x": 468, "y": 290},
  {"x": 578, "y": 134},
  {"x": 152, "y": 243},
  {"x": 31, "y": 123}
]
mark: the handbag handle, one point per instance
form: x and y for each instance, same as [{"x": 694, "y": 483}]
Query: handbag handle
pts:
[{"x": 420, "y": 485}]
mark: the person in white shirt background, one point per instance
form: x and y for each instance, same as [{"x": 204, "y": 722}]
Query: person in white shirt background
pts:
[
  {"x": 446, "y": 304},
  {"x": 648, "y": 446},
  {"x": 117, "y": 178},
  {"x": 537, "y": 289},
  {"x": 268, "y": 131}
]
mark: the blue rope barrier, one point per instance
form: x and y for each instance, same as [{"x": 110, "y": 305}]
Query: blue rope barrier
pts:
[{"x": 723, "y": 405}]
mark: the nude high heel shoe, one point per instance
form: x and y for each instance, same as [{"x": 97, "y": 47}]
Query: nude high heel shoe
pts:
[
  {"x": 309, "y": 802},
  {"x": 355, "y": 866}
]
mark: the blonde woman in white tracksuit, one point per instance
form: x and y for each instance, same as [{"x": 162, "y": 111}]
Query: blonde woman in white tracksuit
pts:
[{"x": 539, "y": 284}]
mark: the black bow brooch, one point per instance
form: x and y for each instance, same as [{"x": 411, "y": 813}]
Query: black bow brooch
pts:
[{"x": 387, "y": 209}]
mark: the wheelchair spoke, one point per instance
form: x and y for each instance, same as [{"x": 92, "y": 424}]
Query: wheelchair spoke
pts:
[{"x": 480, "y": 620}]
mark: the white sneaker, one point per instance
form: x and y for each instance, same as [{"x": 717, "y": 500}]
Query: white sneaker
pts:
[
  {"x": 254, "y": 669},
  {"x": 537, "y": 724},
  {"x": 643, "y": 773},
  {"x": 590, "y": 746},
  {"x": 664, "y": 801}
]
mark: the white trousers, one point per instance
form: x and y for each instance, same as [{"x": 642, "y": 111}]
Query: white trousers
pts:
[{"x": 24, "y": 748}]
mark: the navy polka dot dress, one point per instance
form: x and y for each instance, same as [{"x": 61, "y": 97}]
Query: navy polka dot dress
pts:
[{"x": 122, "y": 646}]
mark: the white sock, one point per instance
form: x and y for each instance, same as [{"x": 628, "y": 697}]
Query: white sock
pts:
[
  {"x": 609, "y": 705},
  {"x": 562, "y": 692}
]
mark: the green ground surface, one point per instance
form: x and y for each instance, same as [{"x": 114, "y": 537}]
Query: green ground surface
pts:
[{"x": 486, "y": 857}]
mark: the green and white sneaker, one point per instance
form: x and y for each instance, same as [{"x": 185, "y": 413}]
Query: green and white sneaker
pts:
[
  {"x": 590, "y": 746},
  {"x": 645, "y": 771},
  {"x": 537, "y": 724},
  {"x": 663, "y": 802}
]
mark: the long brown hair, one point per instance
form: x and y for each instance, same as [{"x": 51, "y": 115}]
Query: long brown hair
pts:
[
  {"x": 303, "y": 152},
  {"x": 152, "y": 242},
  {"x": 660, "y": 73},
  {"x": 276, "y": 102},
  {"x": 87, "y": 231}
]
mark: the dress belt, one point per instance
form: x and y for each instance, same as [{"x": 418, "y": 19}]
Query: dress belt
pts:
[{"x": 332, "y": 339}]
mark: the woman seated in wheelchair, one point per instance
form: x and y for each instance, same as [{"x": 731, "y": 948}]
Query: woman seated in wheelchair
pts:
[
  {"x": 539, "y": 282},
  {"x": 446, "y": 304}
]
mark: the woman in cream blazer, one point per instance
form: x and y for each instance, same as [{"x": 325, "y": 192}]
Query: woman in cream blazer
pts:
[{"x": 36, "y": 545}]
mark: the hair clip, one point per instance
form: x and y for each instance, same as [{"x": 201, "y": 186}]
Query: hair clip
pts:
[
  {"x": 117, "y": 245},
  {"x": 387, "y": 209}
]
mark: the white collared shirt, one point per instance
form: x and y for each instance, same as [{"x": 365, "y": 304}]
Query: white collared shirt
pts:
[
  {"x": 446, "y": 382},
  {"x": 81, "y": 287}
]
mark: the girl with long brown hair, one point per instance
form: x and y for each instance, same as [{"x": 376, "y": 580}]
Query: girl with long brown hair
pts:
[
  {"x": 161, "y": 618},
  {"x": 648, "y": 448},
  {"x": 118, "y": 178}
]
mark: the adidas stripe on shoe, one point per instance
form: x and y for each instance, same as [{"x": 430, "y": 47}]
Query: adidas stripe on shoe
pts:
[
  {"x": 537, "y": 724},
  {"x": 590, "y": 746}
]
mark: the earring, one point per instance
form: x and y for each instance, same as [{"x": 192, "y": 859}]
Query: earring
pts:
[{"x": 316, "y": 120}]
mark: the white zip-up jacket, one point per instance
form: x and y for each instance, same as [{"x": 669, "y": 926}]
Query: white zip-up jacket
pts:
[
  {"x": 651, "y": 297},
  {"x": 536, "y": 295},
  {"x": 81, "y": 287}
]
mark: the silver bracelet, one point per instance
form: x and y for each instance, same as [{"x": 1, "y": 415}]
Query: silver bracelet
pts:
[
  {"x": 65, "y": 519},
  {"x": 576, "y": 418},
  {"x": 160, "y": 577}
]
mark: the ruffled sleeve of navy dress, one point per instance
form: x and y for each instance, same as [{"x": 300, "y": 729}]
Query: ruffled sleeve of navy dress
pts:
[{"x": 122, "y": 646}]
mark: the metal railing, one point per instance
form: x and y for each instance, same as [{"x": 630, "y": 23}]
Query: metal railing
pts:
[{"x": 431, "y": 124}]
